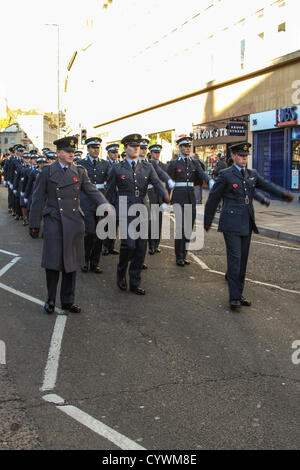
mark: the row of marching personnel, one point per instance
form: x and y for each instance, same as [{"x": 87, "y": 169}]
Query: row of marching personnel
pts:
[{"x": 67, "y": 194}]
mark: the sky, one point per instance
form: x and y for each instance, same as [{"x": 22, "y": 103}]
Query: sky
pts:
[
  {"x": 29, "y": 49},
  {"x": 140, "y": 53}
]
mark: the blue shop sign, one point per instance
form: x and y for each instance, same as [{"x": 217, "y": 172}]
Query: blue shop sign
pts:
[{"x": 275, "y": 119}]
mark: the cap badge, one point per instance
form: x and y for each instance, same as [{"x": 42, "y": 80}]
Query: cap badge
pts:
[
  {"x": 72, "y": 143},
  {"x": 245, "y": 147}
]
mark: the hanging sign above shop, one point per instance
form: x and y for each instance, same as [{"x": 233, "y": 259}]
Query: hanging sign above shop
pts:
[{"x": 237, "y": 129}]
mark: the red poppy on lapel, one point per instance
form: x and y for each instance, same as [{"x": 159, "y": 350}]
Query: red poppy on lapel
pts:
[
  {"x": 123, "y": 177},
  {"x": 235, "y": 185},
  {"x": 75, "y": 179},
  {"x": 179, "y": 170}
]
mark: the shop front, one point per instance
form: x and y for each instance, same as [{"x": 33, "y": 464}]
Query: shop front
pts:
[
  {"x": 216, "y": 137},
  {"x": 276, "y": 139}
]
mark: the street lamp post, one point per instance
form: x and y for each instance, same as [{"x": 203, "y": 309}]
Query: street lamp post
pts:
[{"x": 58, "y": 86}]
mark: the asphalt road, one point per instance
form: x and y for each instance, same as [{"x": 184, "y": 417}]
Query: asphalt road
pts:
[{"x": 175, "y": 369}]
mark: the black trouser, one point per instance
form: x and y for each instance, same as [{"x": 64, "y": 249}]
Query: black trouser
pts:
[
  {"x": 133, "y": 252},
  {"x": 92, "y": 249},
  {"x": 109, "y": 243},
  {"x": 154, "y": 242},
  {"x": 10, "y": 199},
  {"x": 237, "y": 249},
  {"x": 183, "y": 233},
  {"x": 67, "y": 289},
  {"x": 16, "y": 204}
]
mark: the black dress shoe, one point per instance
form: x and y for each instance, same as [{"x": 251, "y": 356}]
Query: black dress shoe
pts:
[
  {"x": 122, "y": 283},
  {"x": 180, "y": 263},
  {"x": 138, "y": 290},
  {"x": 226, "y": 277},
  {"x": 234, "y": 304},
  {"x": 17, "y": 217},
  {"x": 85, "y": 268},
  {"x": 151, "y": 251},
  {"x": 245, "y": 302},
  {"x": 71, "y": 308},
  {"x": 49, "y": 306},
  {"x": 157, "y": 250},
  {"x": 114, "y": 252},
  {"x": 96, "y": 269},
  {"x": 186, "y": 262},
  {"x": 145, "y": 266},
  {"x": 105, "y": 252}
]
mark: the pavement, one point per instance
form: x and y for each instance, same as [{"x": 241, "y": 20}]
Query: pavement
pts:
[{"x": 280, "y": 220}]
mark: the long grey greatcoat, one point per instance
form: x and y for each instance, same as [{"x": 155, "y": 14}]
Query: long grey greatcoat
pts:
[{"x": 56, "y": 197}]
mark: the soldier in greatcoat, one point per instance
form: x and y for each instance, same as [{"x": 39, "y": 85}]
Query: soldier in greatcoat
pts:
[{"x": 56, "y": 197}]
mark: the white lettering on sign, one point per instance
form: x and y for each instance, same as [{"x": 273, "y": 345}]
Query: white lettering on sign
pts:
[{"x": 210, "y": 134}]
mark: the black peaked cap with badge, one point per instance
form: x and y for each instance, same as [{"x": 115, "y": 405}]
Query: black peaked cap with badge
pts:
[
  {"x": 155, "y": 148},
  {"x": 112, "y": 147},
  {"x": 144, "y": 143},
  {"x": 132, "y": 140},
  {"x": 185, "y": 140},
  {"x": 241, "y": 148},
  {"x": 66, "y": 143},
  {"x": 93, "y": 141}
]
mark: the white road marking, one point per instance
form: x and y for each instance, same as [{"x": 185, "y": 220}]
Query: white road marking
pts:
[
  {"x": 2, "y": 353},
  {"x": 51, "y": 368},
  {"x": 9, "y": 265},
  {"x": 27, "y": 297},
  {"x": 8, "y": 253},
  {"x": 93, "y": 424},
  {"x": 206, "y": 268},
  {"x": 278, "y": 246}
]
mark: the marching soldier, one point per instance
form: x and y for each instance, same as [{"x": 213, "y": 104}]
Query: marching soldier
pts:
[
  {"x": 20, "y": 149},
  {"x": 113, "y": 159},
  {"x": 37, "y": 163},
  {"x": 97, "y": 171},
  {"x": 186, "y": 172},
  {"x": 155, "y": 198},
  {"x": 18, "y": 184},
  {"x": 236, "y": 185},
  {"x": 56, "y": 197},
  {"x": 7, "y": 175},
  {"x": 132, "y": 177}
]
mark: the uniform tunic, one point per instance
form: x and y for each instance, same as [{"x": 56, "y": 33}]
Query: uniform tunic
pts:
[
  {"x": 56, "y": 197},
  {"x": 237, "y": 219}
]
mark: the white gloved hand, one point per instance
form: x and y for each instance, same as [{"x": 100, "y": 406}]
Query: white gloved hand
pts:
[
  {"x": 10, "y": 185},
  {"x": 15, "y": 191},
  {"x": 4, "y": 182},
  {"x": 211, "y": 183},
  {"x": 22, "y": 194},
  {"x": 25, "y": 200},
  {"x": 171, "y": 183},
  {"x": 165, "y": 207}
]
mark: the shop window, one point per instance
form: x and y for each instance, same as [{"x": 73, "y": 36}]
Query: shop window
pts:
[{"x": 295, "y": 185}]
